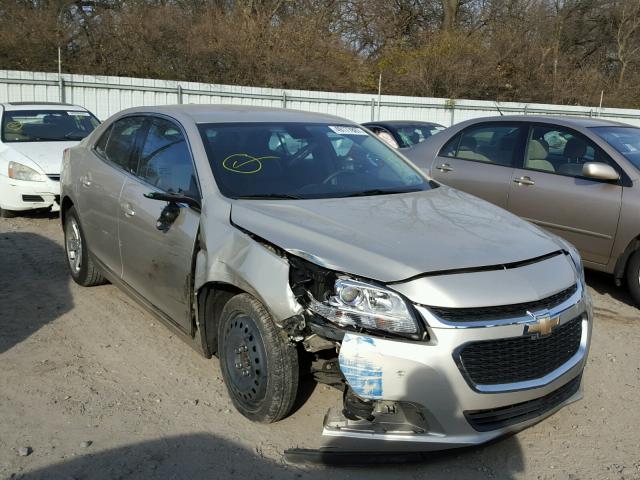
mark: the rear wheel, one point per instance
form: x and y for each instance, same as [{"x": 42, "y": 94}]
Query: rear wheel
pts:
[
  {"x": 258, "y": 363},
  {"x": 81, "y": 267},
  {"x": 7, "y": 213},
  {"x": 633, "y": 277}
]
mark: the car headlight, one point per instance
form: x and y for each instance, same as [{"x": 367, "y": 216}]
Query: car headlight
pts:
[
  {"x": 18, "y": 171},
  {"x": 361, "y": 305}
]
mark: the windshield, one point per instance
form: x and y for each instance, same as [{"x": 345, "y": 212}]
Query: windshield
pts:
[
  {"x": 413, "y": 134},
  {"x": 625, "y": 140},
  {"x": 46, "y": 125},
  {"x": 294, "y": 160}
]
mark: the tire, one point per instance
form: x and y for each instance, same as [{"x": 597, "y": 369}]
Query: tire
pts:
[
  {"x": 81, "y": 266},
  {"x": 7, "y": 213},
  {"x": 633, "y": 277},
  {"x": 259, "y": 365}
]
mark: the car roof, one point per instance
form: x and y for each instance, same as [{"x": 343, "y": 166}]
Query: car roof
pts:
[
  {"x": 12, "y": 106},
  {"x": 567, "y": 121},
  {"x": 399, "y": 123},
  {"x": 238, "y": 114}
]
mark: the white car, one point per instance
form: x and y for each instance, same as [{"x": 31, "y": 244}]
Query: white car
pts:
[{"x": 33, "y": 137}]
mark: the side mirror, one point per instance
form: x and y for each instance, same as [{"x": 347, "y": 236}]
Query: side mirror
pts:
[
  {"x": 599, "y": 171},
  {"x": 174, "y": 198}
]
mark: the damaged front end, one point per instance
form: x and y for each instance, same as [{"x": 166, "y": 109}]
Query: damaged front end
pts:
[
  {"x": 405, "y": 371},
  {"x": 340, "y": 309},
  {"x": 423, "y": 364}
]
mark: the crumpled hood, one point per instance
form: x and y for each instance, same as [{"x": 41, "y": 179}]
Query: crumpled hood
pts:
[
  {"x": 394, "y": 237},
  {"x": 46, "y": 155}
]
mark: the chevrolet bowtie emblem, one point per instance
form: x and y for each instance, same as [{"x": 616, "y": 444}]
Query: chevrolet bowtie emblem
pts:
[{"x": 542, "y": 326}]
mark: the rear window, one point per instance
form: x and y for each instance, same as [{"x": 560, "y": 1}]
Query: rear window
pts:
[{"x": 47, "y": 125}]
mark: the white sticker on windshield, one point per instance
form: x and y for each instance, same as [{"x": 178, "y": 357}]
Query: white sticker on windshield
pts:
[
  {"x": 79, "y": 114},
  {"x": 342, "y": 130}
]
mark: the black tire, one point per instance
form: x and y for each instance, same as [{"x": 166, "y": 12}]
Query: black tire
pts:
[
  {"x": 633, "y": 277},
  {"x": 85, "y": 272},
  {"x": 7, "y": 213},
  {"x": 259, "y": 364}
]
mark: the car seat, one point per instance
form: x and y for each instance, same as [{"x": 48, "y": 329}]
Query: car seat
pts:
[
  {"x": 468, "y": 150},
  {"x": 537, "y": 155}
]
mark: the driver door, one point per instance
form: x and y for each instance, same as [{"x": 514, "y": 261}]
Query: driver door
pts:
[
  {"x": 550, "y": 191},
  {"x": 156, "y": 257}
]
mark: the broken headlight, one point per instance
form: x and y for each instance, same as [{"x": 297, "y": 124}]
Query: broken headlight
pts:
[{"x": 361, "y": 305}]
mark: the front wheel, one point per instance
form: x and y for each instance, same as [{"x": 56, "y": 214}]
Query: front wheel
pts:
[
  {"x": 259, "y": 364},
  {"x": 81, "y": 267}
]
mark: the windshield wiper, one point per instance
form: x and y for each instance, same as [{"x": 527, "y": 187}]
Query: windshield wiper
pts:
[
  {"x": 269, "y": 196},
  {"x": 380, "y": 191}
]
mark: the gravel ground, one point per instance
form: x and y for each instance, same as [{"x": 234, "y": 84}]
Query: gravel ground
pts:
[{"x": 91, "y": 386}]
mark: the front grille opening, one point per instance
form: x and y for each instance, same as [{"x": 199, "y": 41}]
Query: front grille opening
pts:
[
  {"x": 496, "y": 418},
  {"x": 32, "y": 198},
  {"x": 54, "y": 176},
  {"x": 518, "y": 359},
  {"x": 502, "y": 311}
]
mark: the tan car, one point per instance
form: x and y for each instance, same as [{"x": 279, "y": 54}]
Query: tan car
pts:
[
  {"x": 576, "y": 177},
  {"x": 294, "y": 244}
]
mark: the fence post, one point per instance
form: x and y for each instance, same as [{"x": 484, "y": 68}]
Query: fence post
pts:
[
  {"x": 451, "y": 103},
  {"x": 179, "y": 94},
  {"x": 61, "y": 89},
  {"x": 284, "y": 99},
  {"x": 60, "y": 80},
  {"x": 373, "y": 109}
]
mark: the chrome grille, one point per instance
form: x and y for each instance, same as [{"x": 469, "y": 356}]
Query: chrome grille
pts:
[{"x": 518, "y": 359}]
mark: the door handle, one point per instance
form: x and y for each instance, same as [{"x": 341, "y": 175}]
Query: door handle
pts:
[
  {"x": 524, "y": 181},
  {"x": 445, "y": 167},
  {"x": 128, "y": 210},
  {"x": 85, "y": 181}
]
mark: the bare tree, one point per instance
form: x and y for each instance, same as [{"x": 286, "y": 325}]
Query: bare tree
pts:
[{"x": 627, "y": 35}]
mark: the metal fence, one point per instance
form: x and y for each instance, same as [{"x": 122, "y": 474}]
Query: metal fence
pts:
[{"x": 106, "y": 95}]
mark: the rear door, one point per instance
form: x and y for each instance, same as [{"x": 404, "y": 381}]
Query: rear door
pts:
[
  {"x": 101, "y": 179},
  {"x": 480, "y": 160},
  {"x": 157, "y": 258},
  {"x": 549, "y": 190}
]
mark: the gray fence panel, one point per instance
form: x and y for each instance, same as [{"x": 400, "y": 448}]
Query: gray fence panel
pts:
[{"x": 106, "y": 95}]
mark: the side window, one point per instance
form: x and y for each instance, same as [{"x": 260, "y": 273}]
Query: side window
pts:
[
  {"x": 497, "y": 143},
  {"x": 101, "y": 145},
  {"x": 165, "y": 161},
  {"x": 451, "y": 147},
  {"x": 559, "y": 150},
  {"x": 120, "y": 143}
]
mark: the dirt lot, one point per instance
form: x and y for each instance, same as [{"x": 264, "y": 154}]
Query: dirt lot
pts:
[{"x": 88, "y": 365}]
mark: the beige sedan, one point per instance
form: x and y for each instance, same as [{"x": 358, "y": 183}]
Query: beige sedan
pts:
[{"x": 575, "y": 177}]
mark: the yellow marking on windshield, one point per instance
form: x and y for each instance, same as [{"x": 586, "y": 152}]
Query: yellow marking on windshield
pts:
[{"x": 244, "y": 163}]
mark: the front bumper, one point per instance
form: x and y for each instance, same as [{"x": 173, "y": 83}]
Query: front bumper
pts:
[
  {"x": 18, "y": 195},
  {"x": 433, "y": 401}
]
